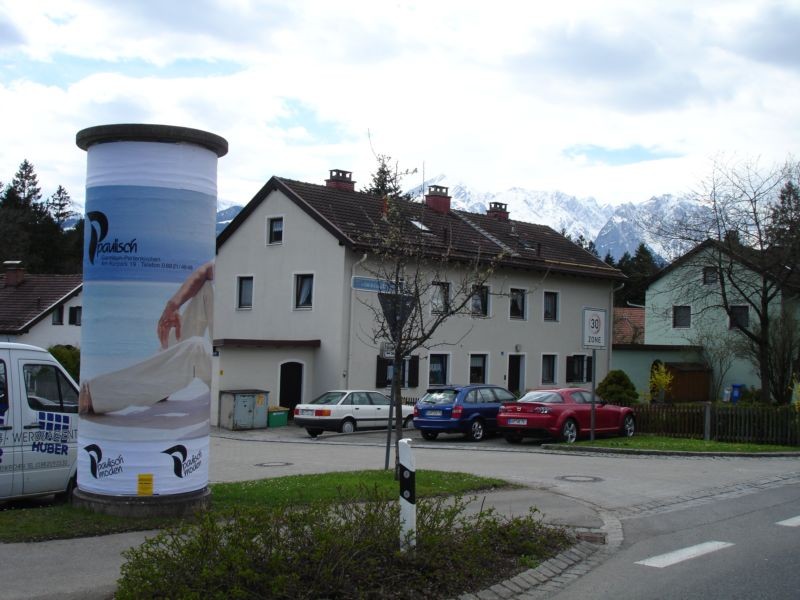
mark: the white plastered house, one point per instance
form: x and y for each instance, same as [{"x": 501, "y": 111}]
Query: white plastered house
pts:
[{"x": 291, "y": 287}]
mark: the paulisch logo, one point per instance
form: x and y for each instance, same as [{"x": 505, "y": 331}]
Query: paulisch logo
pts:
[
  {"x": 98, "y": 226},
  {"x": 100, "y": 468},
  {"x": 181, "y": 464}
]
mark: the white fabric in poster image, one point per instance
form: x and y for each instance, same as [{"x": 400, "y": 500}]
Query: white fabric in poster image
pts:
[{"x": 111, "y": 468}]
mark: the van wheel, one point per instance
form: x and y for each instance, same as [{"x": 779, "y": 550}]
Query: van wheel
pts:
[
  {"x": 347, "y": 426},
  {"x": 66, "y": 495},
  {"x": 476, "y": 431},
  {"x": 430, "y": 435},
  {"x": 313, "y": 432}
]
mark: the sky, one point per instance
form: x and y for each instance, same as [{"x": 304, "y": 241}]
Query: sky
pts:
[{"x": 616, "y": 100}]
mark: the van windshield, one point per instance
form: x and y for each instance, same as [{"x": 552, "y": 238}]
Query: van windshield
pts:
[{"x": 439, "y": 397}]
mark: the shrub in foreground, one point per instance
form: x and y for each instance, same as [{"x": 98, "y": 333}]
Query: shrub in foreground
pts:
[{"x": 341, "y": 551}]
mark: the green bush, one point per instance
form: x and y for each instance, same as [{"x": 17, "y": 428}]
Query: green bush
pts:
[
  {"x": 69, "y": 357},
  {"x": 617, "y": 388},
  {"x": 341, "y": 551}
]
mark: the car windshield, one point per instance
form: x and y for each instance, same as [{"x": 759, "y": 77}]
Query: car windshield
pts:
[
  {"x": 328, "y": 398},
  {"x": 544, "y": 397},
  {"x": 439, "y": 397}
]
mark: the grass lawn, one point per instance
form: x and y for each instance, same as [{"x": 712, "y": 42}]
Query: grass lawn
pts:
[
  {"x": 655, "y": 442},
  {"x": 38, "y": 520}
]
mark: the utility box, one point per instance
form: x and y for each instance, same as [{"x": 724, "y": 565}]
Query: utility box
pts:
[{"x": 243, "y": 409}]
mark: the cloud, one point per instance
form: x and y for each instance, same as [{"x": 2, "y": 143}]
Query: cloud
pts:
[
  {"x": 591, "y": 154},
  {"x": 771, "y": 36}
]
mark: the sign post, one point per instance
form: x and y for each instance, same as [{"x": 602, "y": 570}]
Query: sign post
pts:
[{"x": 594, "y": 337}]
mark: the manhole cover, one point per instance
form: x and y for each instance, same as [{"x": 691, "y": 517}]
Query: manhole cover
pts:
[
  {"x": 273, "y": 464},
  {"x": 579, "y": 478}
]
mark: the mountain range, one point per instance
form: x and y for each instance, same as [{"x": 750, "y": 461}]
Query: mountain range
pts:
[{"x": 614, "y": 230}]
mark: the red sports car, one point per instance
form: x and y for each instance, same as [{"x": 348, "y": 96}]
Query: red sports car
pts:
[{"x": 562, "y": 414}]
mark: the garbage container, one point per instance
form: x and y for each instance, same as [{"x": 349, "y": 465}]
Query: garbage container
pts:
[
  {"x": 736, "y": 392},
  {"x": 277, "y": 416}
]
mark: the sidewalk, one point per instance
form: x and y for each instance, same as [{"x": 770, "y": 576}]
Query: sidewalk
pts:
[{"x": 87, "y": 568}]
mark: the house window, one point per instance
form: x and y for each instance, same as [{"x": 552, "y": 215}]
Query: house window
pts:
[
  {"x": 244, "y": 293},
  {"x": 409, "y": 372},
  {"x": 548, "y": 368},
  {"x": 551, "y": 306},
  {"x": 75, "y": 315},
  {"x": 275, "y": 230},
  {"x": 579, "y": 368},
  {"x": 440, "y": 301},
  {"x": 480, "y": 301},
  {"x": 477, "y": 368},
  {"x": 437, "y": 369},
  {"x": 58, "y": 315},
  {"x": 303, "y": 291},
  {"x": 517, "y": 304},
  {"x": 681, "y": 316},
  {"x": 709, "y": 275},
  {"x": 739, "y": 317}
]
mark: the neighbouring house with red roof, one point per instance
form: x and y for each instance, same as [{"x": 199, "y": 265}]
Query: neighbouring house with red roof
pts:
[
  {"x": 295, "y": 297},
  {"x": 39, "y": 309}
]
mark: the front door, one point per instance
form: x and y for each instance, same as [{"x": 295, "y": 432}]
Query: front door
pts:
[
  {"x": 516, "y": 383},
  {"x": 291, "y": 392}
]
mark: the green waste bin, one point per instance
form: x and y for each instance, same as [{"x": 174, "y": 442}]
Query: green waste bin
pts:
[{"x": 277, "y": 418}]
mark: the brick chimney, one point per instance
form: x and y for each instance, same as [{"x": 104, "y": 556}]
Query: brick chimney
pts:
[
  {"x": 498, "y": 210},
  {"x": 14, "y": 273},
  {"x": 341, "y": 180},
  {"x": 437, "y": 199}
]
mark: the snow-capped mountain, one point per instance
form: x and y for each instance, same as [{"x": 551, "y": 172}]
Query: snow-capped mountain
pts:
[{"x": 613, "y": 229}]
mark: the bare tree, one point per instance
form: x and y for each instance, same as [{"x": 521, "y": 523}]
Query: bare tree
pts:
[
  {"x": 742, "y": 266},
  {"x": 718, "y": 354},
  {"x": 424, "y": 284}
]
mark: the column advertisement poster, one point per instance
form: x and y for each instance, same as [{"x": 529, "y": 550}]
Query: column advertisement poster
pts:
[{"x": 148, "y": 272}]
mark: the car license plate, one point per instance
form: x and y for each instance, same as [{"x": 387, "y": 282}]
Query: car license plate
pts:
[
  {"x": 434, "y": 413},
  {"x": 518, "y": 421},
  {"x": 306, "y": 411}
]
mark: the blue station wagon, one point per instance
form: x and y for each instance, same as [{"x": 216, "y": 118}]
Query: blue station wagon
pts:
[{"x": 468, "y": 409}]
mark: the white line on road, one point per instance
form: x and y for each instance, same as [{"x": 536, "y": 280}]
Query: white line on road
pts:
[
  {"x": 793, "y": 522},
  {"x": 671, "y": 558}
]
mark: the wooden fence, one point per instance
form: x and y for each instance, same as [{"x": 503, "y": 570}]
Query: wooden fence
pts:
[{"x": 722, "y": 422}]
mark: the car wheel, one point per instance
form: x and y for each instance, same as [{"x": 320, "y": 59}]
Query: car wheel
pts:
[
  {"x": 430, "y": 435},
  {"x": 569, "y": 431},
  {"x": 513, "y": 438},
  {"x": 476, "y": 431},
  {"x": 348, "y": 426},
  {"x": 408, "y": 423},
  {"x": 628, "y": 426},
  {"x": 313, "y": 432}
]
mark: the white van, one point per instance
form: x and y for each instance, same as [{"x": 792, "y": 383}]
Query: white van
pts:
[{"x": 38, "y": 424}]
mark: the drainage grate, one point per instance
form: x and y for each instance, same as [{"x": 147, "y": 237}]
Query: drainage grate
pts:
[
  {"x": 273, "y": 464},
  {"x": 579, "y": 478}
]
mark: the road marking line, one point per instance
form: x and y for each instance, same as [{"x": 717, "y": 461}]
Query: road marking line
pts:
[
  {"x": 793, "y": 522},
  {"x": 671, "y": 558}
]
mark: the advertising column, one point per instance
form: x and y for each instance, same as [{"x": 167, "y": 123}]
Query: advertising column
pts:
[{"x": 148, "y": 271}]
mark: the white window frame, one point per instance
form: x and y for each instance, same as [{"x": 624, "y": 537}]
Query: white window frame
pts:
[
  {"x": 57, "y": 316},
  {"x": 583, "y": 378},
  {"x": 524, "y": 316},
  {"x": 486, "y": 365},
  {"x": 558, "y": 306},
  {"x": 295, "y": 280},
  {"x": 731, "y": 324},
  {"x": 488, "y": 313},
  {"x": 674, "y": 326},
  {"x": 448, "y": 361},
  {"x": 436, "y": 287},
  {"x": 270, "y": 219},
  {"x": 555, "y": 368},
  {"x": 237, "y": 291}
]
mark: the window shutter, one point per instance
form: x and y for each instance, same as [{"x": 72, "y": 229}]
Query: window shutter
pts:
[
  {"x": 381, "y": 373},
  {"x": 570, "y": 368},
  {"x": 413, "y": 372},
  {"x": 589, "y": 367}
]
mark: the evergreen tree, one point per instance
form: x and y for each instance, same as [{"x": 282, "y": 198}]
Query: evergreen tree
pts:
[
  {"x": 59, "y": 206},
  {"x": 638, "y": 269},
  {"x": 386, "y": 179},
  {"x": 26, "y": 184},
  {"x": 609, "y": 260}
]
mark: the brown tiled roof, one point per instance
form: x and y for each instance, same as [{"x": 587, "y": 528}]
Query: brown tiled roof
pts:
[
  {"x": 628, "y": 325},
  {"x": 26, "y": 304},
  {"x": 352, "y": 217}
]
